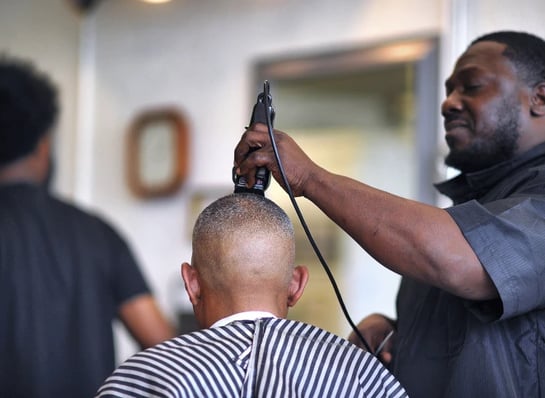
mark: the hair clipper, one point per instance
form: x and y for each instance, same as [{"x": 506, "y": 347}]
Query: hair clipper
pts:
[{"x": 262, "y": 110}]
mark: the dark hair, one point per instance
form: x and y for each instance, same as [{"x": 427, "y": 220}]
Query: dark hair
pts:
[
  {"x": 525, "y": 51},
  {"x": 28, "y": 108}
]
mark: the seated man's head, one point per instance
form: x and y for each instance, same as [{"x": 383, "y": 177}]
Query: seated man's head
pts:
[{"x": 243, "y": 260}]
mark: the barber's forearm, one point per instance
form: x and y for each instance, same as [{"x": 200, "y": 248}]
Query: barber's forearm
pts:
[{"x": 408, "y": 237}]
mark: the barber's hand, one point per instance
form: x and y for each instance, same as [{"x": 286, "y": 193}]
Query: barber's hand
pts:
[
  {"x": 255, "y": 150},
  {"x": 375, "y": 328}
]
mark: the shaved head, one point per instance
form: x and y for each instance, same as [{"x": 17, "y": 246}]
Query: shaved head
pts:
[{"x": 242, "y": 242}]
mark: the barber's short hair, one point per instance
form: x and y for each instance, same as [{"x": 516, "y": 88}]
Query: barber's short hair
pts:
[
  {"x": 28, "y": 107},
  {"x": 525, "y": 51}
]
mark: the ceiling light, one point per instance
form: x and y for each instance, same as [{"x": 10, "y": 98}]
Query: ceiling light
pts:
[{"x": 155, "y": 1}]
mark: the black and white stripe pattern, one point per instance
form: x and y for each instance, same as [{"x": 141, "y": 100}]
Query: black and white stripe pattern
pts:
[{"x": 267, "y": 357}]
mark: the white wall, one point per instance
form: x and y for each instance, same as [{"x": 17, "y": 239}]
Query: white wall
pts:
[{"x": 198, "y": 55}]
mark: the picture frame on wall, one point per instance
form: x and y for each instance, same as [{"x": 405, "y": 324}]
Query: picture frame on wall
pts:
[{"x": 157, "y": 152}]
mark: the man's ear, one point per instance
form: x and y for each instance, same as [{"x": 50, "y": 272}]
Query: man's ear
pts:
[
  {"x": 191, "y": 282},
  {"x": 537, "y": 102},
  {"x": 298, "y": 282}
]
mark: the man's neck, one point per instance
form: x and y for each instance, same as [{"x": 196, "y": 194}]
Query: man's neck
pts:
[
  {"x": 245, "y": 315},
  {"x": 22, "y": 170},
  {"x": 217, "y": 310}
]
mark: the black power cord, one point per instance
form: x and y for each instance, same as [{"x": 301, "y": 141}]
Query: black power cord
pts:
[{"x": 267, "y": 103}]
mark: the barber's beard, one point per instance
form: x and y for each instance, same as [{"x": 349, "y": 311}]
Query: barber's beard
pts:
[{"x": 489, "y": 149}]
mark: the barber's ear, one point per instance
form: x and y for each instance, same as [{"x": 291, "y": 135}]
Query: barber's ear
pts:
[
  {"x": 191, "y": 282},
  {"x": 298, "y": 282},
  {"x": 537, "y": 102}
]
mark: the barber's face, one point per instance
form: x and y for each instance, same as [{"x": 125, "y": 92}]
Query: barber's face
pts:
[{"x": 483, "y": 109}]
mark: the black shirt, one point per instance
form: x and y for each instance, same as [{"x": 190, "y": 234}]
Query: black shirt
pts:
[
  {"x": 450, "y": 347},
  {"x": 63, "y": 275}
]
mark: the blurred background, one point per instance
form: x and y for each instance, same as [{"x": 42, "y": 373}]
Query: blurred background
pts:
[{"x": 358, "y": 83}]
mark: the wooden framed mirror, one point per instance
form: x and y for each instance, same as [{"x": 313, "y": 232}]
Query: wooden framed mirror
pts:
[{"x": 157, "y": 152}]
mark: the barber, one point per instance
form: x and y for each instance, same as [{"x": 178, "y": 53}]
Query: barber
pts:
[{"x": 470, "y": 320}]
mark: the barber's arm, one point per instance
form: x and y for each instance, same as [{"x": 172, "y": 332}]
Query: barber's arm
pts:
[
  {"x": 144, "y": 321},
  {"x": 379, "y": 333},
  {"x": 410, "y": 238}
]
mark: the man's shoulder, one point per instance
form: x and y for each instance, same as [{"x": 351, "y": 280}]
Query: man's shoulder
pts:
[
  {"x": 185, "y": 344},
  {"x": 312, "y": 335},
  {"x": 28, "y": 203},
  {"x": 86, "y": 219}
]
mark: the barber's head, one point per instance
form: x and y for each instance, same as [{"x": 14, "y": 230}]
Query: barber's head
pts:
[
  {"x": 28, "y": 108},
  {"x": 495, "y": 100},
  {"x": 243, "y": 259}
]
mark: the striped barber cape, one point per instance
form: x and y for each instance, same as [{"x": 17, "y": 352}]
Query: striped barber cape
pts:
[{"x": 265, "y": 357}]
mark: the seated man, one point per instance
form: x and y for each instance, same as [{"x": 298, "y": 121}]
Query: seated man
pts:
[{"x": 241, "y": 284}]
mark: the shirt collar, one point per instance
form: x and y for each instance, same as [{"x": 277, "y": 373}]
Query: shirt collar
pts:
[
  {"x": 467, "y": 186},
  {"x": 246, "y": 316}
]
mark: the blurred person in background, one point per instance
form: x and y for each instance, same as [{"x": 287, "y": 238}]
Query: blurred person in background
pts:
[{"x": 65, "y": 274}]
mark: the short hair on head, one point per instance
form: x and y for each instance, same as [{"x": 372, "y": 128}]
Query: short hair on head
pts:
[
  {"x": 525, "y": 51},
  {"x": 244, "y": 240},
  {"x": 246, "y": 211},
  {"x": 28, "y": 107}
]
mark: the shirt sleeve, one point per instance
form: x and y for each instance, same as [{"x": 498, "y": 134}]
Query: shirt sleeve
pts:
[
  {"x": 508, "y": 237},
  {"x": 126, "y": 276}
]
